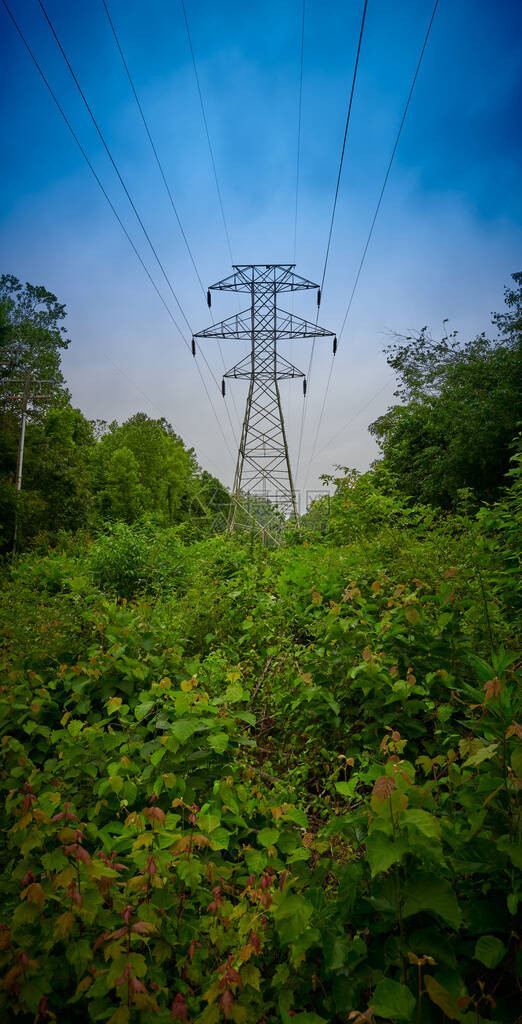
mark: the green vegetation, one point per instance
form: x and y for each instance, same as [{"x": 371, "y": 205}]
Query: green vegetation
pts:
[{"x": 266, "y": 785}]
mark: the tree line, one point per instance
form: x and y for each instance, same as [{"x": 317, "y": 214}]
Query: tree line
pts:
[{"x": 450, "y": 432}]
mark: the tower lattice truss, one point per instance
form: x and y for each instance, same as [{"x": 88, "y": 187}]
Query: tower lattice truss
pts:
[{"x": 263, "y": 468}]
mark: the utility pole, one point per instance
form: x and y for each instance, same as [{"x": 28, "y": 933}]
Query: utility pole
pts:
[
  {"x": 25, "y": 396},
  {"x": 263, "y": 467}
]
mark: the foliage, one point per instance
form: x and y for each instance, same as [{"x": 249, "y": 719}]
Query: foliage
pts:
[
  {"x": 128, "y": 560},
  {"x": 142, "y": 466},
  {"x": 285, "y": 790},
  {"x": 31, "y": 332},
  {"x": 462, "y": 406}
]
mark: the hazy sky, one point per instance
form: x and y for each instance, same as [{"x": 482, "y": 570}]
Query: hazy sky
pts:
[{"x": 447, "y": 238}]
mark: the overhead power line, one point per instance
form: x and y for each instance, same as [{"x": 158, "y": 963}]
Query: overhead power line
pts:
[
  {"x": 129, "y": 197},
  {"x": 153, "y": 147},
  {"x": 113, "y": 162},
  {"x": 332, "y": 218},
  {"x": 112, "y": 207},
  {"x": 372, "y": 225},
  {"x": 388, "y": 169},
  {"x": 345, "y": 137},
  {"x": 163, "y": 176},
  {"x": 207, "y": 132},
  {"x": 299, "y": 112}
]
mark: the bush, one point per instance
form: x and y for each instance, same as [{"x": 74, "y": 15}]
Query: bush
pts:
[{"x": 129, "y": 560}]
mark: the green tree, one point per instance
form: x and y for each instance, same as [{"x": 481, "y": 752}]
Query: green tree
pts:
[
  {"x": 162, "y": 470},
  {"x": 57, "y": 491},
  {"x": 32, "y": 334},
  {"x": 460, "y": 407},
  {"x": 123, "y": 493}
]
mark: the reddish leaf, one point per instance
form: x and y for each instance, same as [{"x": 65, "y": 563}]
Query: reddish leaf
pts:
[
  {"x": 142, "y": 928},
  {"x": 179, "y": 1008},
  {"x": 227, "y": 1002},
  {"x": 136, "y": 986},
  {"x": 383, "y": 787}
]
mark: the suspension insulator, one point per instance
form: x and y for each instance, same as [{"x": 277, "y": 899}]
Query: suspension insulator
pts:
[
  {"x": 304, "y": 386},
  {"x": 193, "y": 347},
  {"x": 335, "y": 345},
  {"x": 318, "y": 297},
  {"x": 223, "y": 389},
  {"x": 209, "y": 299}
]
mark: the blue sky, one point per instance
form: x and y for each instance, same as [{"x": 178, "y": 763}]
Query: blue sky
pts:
[{"x": 447, "y": 238}]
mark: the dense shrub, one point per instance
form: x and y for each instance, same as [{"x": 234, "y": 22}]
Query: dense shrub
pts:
[
  {"x": 128, "y": 560},
  {"x": 272, "y": 787}
]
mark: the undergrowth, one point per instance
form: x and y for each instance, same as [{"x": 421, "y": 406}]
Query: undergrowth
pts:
[{"x": 264, "y": 786}]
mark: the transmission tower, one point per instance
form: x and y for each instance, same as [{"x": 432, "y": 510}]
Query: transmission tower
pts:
[{"x": 263, "y": 464}]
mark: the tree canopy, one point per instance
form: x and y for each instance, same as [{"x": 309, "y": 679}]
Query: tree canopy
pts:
[{"x": 461, "y": 403}]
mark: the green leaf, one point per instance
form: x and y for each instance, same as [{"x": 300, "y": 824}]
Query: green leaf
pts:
[
  {"x": 382, "y": 852},
  {"x": 245, "y": 716},
  {"x": 516, "y": 762},
  {"x": 292, "y": 915},
  {"x": 234, "y": 693},
  {"x": 268, "y": 836},
  {"x": 218, "y": 741},
  {"x": 301, "y": 853},
  {"x": 298, "y": 817},
  {"x": 219, "y": 839},
  {"x": 513, "y": 850},
  {"x": 190, "y": 872},
  {"x": 143, "y": 709},
  {"x": 183, "y": 729},
  {"x": 347, "y": 788},
  {"x": 74, "y": 728},
  {"x": 210, "y": 1015},
  {"x": 208, "y": 822},
  {"x": 130, "y": 791},
  {"x": 489, "y": 950},
  {"x": 484, "y": 754},
  {"x": 441, "y": 997},
  {"x": 157, "y": 756},
  {"x": 393, "y": 1001},
  {"x": 421, "y": 820},
  {"x": 512, "y": 902},
  {"x": 428, "y": 892}
]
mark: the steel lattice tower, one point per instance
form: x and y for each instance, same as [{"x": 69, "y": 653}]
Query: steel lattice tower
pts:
[{"x": 263, "y": 463}]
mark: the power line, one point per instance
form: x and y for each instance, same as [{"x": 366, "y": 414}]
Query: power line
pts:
[
  {"x": 113, "y": 162},
  {"x": 386, "y": 176},
  {"x": 207, "y": 132},
  {"x": 372, "y": 225},
  {"x": 153, "y": 403},
  {"x": 129, "y": 197},
  {"x": 300, "y": 106},
  {"x": 345, "y": 426},
  {"x": 341, "y": 161},
  {"x": 163, "y": 176},
  {"x": 111, "y": 204},
  {"x": 334, "y": 207},
  {"x": 153, "y": 147},
  {"x": 298, "y": 148}
]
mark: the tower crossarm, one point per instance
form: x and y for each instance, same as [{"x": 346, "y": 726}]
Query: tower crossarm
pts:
[
  {"x": 263, "y": 277},
  {"x": 287, "y": 326},
  {"x": 283, "y": 370}
]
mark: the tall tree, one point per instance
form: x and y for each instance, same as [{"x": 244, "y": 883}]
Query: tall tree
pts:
[
  {"x": 461, "y": 403},
  {"x": 161, "y": 470},
  {"x": 32, "y": 334}
]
